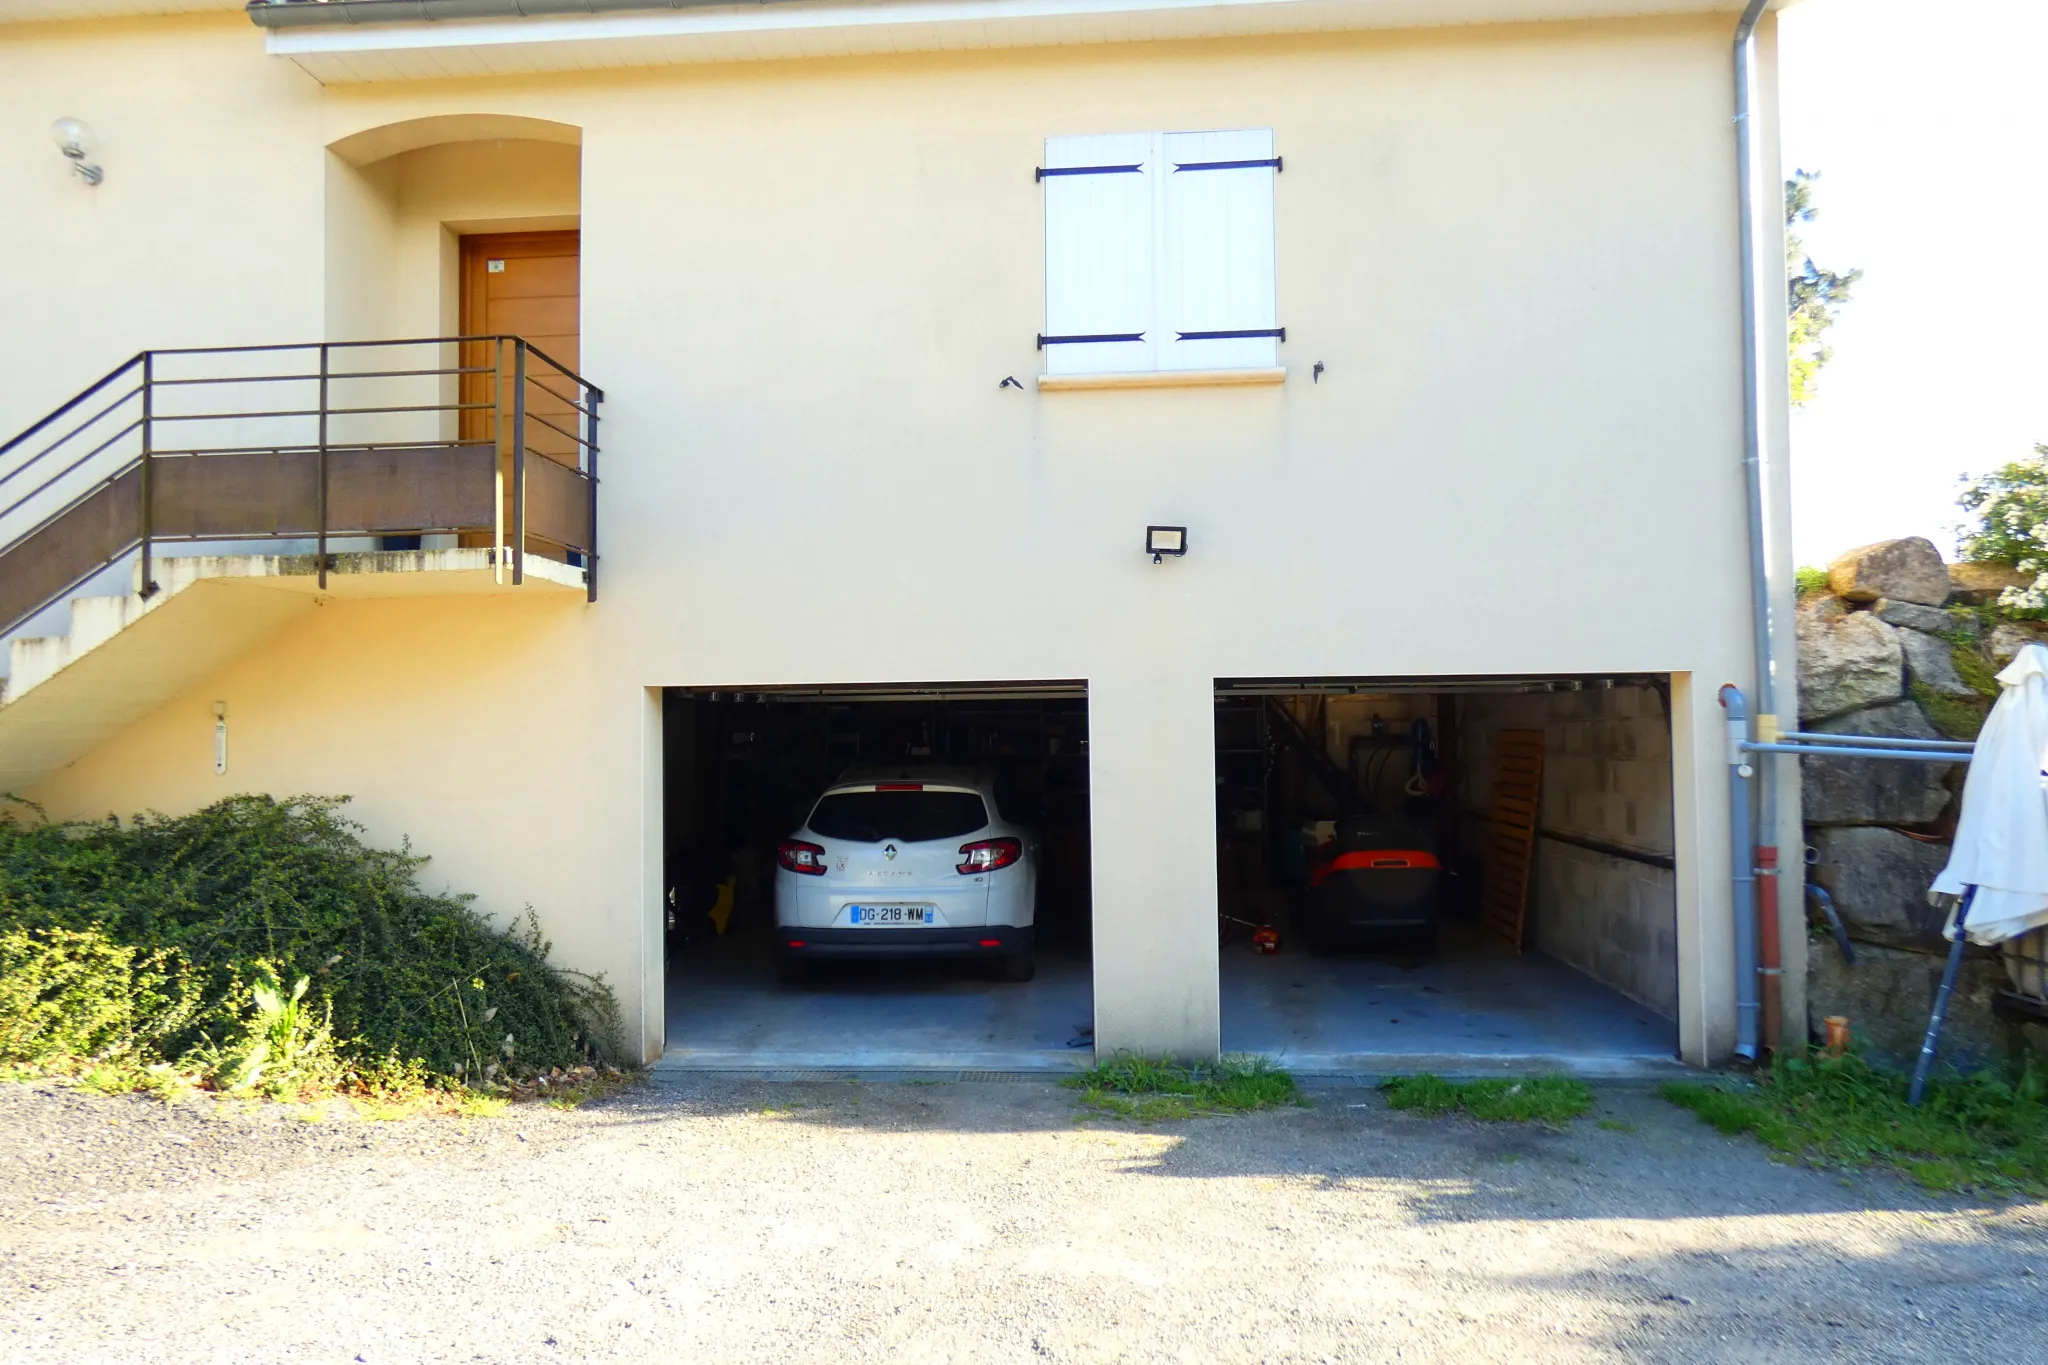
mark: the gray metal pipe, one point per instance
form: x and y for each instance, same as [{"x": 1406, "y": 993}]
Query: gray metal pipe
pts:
[
  {"x": 1742, "y": 867},
  {"x": 1960, "y": 746},
  {"x": 1760, "y": 838},
  {"x": 1844, "y": 751},
  {"x": 1752, "y": 373}
]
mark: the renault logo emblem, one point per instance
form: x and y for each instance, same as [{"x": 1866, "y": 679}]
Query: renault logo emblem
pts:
[{"x": 889, "y": 850}]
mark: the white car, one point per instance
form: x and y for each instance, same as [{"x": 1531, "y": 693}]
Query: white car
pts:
[{"x": 915, "y": 862}]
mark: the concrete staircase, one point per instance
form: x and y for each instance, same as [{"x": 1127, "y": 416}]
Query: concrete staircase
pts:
[{"x": 126, "y": 656}]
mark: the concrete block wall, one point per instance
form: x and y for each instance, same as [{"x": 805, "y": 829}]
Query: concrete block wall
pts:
[{"x": 1606, "y": 777}]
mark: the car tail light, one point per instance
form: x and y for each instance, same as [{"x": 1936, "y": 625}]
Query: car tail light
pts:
[
  {"x": 899, "y": 786},
  {"x": 986, "y": 855},
  {"x": 796, "y": 943},
  {"x": 991, "y": 943},
  {"x": 798, "y": 856}
]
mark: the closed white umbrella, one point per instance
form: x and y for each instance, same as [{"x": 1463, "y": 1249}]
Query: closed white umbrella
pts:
[
  {"x": 2000, "y": 862},
  {"x": 2001, "y": 845}
]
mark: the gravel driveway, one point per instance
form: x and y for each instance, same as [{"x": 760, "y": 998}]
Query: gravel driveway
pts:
[{"x": 706, "y": 1219}]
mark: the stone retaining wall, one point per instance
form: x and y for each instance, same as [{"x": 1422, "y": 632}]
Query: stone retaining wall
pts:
[{"x": 1899, "y": 644}]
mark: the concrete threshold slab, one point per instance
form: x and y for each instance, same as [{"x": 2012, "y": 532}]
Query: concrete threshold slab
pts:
[
  {"x": 1326, "y": 1068},
  {"x": 865, "y": 1063},
  {"x": 1373, "y": 1066}
]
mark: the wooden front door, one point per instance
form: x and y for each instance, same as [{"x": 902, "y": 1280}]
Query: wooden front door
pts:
[{"x": 523, "y": 284}]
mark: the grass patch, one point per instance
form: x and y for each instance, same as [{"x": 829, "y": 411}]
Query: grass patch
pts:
[
  {"x": 1973, "y": 1133},
  {"x": 259, "y": 947},
  {"x": 1543, "y": 1099},
  {"x": 1151, "y": 1089},
  {"x": 1617, "y": 1126},
  {"x": 1809, "y": 582}
]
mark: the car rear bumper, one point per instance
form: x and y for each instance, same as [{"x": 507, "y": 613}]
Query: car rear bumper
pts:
[{"x": 992, "y": 940}]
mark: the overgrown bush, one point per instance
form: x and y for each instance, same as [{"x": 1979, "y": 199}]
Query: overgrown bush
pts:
[
  {"x": 171, "y": 940},
  {"x": 67, "y": 994}
]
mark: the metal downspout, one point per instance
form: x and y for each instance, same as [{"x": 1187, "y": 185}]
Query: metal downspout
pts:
[
  {"x": 1763, "y": 974},
  {"x": 1743, "y": 875}
]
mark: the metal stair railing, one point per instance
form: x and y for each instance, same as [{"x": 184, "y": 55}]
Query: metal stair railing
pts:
[{"x": 484, "y": 437}]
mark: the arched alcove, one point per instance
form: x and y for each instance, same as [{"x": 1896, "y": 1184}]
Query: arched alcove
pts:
[{"x": 391, "y": 139}]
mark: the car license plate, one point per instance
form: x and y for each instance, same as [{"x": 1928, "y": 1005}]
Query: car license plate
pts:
[{"x": 890, "y": 916}]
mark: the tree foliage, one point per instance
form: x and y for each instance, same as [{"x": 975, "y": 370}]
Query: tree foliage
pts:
[
  {"x": 1812, "y": 294},
  {"x": 2011, "y": 509}
]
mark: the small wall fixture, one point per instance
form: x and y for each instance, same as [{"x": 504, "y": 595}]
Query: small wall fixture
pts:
[
  {"x": 1161, "y": 541},
  {"x": 74, "y": 138},
  {"x": 220, "y": 737}
]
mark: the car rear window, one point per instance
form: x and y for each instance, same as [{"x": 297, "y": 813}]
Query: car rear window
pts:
[{"x": 913, "y": 817}]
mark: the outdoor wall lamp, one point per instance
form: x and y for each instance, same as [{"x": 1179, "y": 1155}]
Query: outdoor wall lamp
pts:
[
  {"x": 1161, "y": 541},
  {"x": 74, "y": 139}
]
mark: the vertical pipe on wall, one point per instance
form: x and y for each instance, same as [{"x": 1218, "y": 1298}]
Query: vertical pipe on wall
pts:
[
  {"x": 1763, "y": 871},
  {"x": 1743, "y": 870}
]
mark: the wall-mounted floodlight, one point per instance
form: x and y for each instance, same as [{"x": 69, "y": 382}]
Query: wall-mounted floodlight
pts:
[
  {"x": 1161, "y": 541},
  {"x": 74, "y": 138}
]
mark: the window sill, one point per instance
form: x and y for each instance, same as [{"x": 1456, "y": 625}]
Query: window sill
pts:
[{"x": 1164, "y": 379}]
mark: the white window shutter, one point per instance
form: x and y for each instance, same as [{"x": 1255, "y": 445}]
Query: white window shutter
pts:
[
  {"x": 1217, "y": 251},
  {"x": 1100, "y": 260}
]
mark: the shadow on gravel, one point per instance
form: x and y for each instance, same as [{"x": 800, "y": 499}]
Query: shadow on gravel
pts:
[
  {"x": 1789, "y": 1290},
  {"x": 1633, "y": 1156}
]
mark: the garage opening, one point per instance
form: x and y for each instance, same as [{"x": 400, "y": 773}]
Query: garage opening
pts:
[
  {"x": 928, "y": 849},
  {"x": 1448, "y": 873}
]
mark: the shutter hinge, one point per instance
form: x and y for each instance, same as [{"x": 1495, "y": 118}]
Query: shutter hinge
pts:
[
  {"x": 1045, "y": 341},
  {"x": 1280, "y": 332},
  {"x": 1272, "y": 161},
  {"x": 1045, "y": 171}
]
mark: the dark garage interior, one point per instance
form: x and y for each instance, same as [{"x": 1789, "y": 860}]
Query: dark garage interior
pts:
[
  {"x": 1381, "y": 909},
  {"x": 741, "y": 771}
]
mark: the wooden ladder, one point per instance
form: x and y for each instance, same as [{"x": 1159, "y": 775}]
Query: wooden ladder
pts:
[{"x": 1511, "y": 838}]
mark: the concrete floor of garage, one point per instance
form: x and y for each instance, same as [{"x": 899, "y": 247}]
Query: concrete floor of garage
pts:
[
  {"x": 727, "y": 1011},
  {"x": 1465, "y": 1011}
]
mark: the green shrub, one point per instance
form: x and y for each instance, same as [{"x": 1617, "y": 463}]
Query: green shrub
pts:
[
  {"x": 2011, "y": 507},
  {"x": 1809, "y": 581},
  {"x": 212, "y": 910},
  {"x": 67, "y": 994}
]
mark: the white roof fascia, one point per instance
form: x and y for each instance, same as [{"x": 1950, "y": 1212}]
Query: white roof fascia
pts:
[{"x": 350, "y": 54}]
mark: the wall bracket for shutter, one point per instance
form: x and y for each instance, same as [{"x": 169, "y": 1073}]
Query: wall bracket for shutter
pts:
[
  {"x": 1280, "y": 332},
  {"x": 1179, "y": 166},
  {"x": 1045, "y": 341},
  {"x": 1045, "y": 171}
]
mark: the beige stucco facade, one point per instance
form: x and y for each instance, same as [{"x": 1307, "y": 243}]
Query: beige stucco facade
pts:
[{"x": 1511, "y": 247}]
